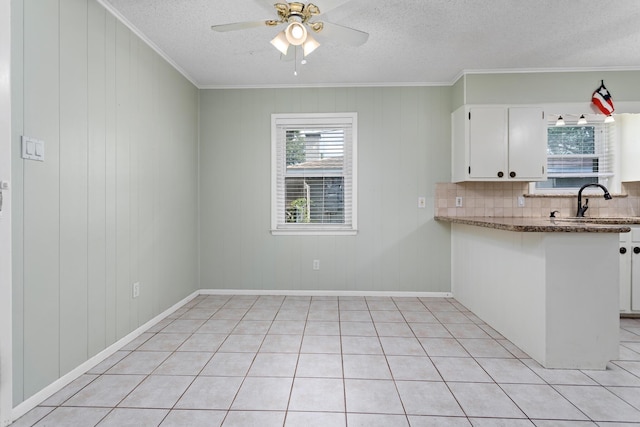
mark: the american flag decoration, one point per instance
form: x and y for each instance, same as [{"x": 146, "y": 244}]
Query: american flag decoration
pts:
[{"x": 601, "y": 98}]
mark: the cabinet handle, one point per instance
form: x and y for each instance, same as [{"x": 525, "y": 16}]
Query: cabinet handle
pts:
[
  {"x": 623, "y": 251},
  {"x": 636, "y": 250},
  {"x": 500, "y": 174},
  {"x": 512, "y": 174}
]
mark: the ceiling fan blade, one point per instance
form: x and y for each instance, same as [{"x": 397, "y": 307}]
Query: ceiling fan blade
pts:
[
  {"x": 343, "y": 34},
  {"x": 267, "y": 4},
  {"x": 338, "y": 10},
  {"x": 238, "y": 26},
  {"x": 329, "y": 5}
]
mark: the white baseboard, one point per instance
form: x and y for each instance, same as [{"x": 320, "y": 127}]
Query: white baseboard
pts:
[
  {"x": 325, "y": 293},
  {"x": 63, "y": 381}
]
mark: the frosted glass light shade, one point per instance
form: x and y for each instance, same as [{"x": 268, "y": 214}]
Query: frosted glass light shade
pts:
[
  {"x": 281, "y": 43},
  {"x": 309, "y": 45},
  {"x": 296, "y": 33}
]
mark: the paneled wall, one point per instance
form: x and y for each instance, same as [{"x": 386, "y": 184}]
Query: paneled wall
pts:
[
  {"x": 403, "y": 150},
  {"x": 114, "y": 202},
  {"x": 551, "y": 87}
]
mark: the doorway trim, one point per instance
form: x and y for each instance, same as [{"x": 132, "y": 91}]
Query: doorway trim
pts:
[{"x": 6, "y": 381}]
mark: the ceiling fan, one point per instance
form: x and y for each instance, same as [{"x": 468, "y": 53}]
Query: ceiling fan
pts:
[{"x": 301, "y": 19}]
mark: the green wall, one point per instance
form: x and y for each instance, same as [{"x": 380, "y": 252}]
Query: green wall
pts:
[
  {"x": 549, "y": 87},
  {"x": 114, "y": 202},
  {"x": 458, "y": 93},
  {"x": 403, "y": 150}
]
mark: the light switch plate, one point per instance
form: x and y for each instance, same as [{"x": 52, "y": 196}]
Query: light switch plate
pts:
[
  {"x": 422, "y": 202},
  {"x": 32, "y": 149}
]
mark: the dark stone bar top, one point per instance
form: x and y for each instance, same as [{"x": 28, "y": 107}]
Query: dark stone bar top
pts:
[{"x": 546, "y": 225}]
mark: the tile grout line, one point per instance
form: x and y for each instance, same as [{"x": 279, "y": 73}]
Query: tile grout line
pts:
[
  {"x": 599, "y": 384},
  {"x": 173, "y": 407}
]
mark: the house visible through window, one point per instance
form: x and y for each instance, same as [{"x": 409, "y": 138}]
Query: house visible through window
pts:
[
  {"x": 578, "y": 155},
  {"x": 313, "y": 173}
]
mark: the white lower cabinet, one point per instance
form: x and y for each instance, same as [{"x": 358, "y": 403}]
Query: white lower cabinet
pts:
[
  {"x": 630, "y": 271},
  {"x": 551, "y": 294}
]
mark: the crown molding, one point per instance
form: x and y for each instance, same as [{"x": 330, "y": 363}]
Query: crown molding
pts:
[{"x": 144, "y": 38}]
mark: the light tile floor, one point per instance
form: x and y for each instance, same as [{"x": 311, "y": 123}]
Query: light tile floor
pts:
[{"x": 339, "y": 361}]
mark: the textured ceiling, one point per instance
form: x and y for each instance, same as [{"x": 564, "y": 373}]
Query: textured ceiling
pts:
[{"x": 410, "y": 42}]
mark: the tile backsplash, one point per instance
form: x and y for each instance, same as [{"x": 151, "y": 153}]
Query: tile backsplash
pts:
[{"x": 500, "y": 199}]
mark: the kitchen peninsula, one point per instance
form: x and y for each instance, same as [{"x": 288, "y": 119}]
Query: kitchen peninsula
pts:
[{"x": 549, "y": 286}]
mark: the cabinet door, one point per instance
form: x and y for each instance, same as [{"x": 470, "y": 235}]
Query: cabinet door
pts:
[
  {"x": 625, "y": 272},
  {"x": 628, "y": 128},
  {"x": 527, "y": 143},
  {"x": 488, "y": 142},
  {"x": 635, "y": 278},
  {"x": 635, "y": 268}
]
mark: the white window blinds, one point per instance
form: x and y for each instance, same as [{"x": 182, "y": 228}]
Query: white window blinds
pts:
[
  {"x": 313, "y": 173},
  {"x": 579, "y": 154}
]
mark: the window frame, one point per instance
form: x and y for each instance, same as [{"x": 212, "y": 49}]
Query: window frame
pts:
[
  {"x": 601, "y": 141},
  {"x": 279, "y": 227}
]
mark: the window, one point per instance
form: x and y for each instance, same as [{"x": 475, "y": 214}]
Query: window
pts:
[
  {"x": 578, "y": 155},
  {"x": 313, "y": 183}
]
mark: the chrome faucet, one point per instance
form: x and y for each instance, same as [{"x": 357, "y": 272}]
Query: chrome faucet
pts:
[{"x": 583, "y": 209}]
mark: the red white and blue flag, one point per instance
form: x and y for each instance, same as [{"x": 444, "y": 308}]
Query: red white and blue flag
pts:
[{"x": 601, "y": 98}]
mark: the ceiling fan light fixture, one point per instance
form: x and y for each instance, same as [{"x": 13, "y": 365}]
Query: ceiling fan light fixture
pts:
[
  {"x": 296, "y": 33},
  {"x": 309, "y": 45},
  {"x": 281, "y": 43}
]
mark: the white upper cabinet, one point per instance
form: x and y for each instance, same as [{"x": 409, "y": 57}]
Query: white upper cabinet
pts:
[
  {"x": 498, "y": 143},
  {"x": 628, "y": 126}
]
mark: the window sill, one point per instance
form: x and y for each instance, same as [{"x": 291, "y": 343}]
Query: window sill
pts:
[
  {"x": 565, "y": 194},
  {"x": 313, "y": 232}
]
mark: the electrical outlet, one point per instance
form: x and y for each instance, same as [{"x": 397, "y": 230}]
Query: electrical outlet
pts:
[
  {"x": 135, "y": 291},
  {"x": 458, "y": 201},
  {"x": 422, "y": 202},
  {"x": 521, "y": 201},
  {"x": 316, "y": 264}
]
